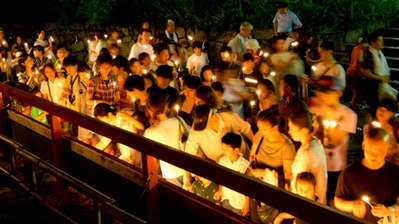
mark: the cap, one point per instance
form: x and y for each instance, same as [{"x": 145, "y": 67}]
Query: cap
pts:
[{"x": 329, "y": 83}]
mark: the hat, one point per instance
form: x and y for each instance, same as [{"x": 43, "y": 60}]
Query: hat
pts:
[
  {"x": 252, "y": 44},
  {"x": 329, "y": 83}
]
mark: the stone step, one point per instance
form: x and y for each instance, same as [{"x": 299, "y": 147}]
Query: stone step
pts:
[
  {"x": 391, "y": 41},
  {"x": 390, "y": 51},
  {"x": 391, "y": 32}
]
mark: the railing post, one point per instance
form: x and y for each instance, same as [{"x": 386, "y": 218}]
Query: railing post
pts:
[
  {"x": 150, "y": 168},
  {"x": 56, "y": 147}
]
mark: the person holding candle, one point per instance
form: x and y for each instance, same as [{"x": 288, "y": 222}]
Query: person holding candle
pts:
[
  {"x": 28, "y": 74},
  {"x": 271, "y": 157},
  {"x": 46, "y": 44},
  {"x": 187, "y": 99},
  {"x": 336, "y": 123},
  {"x": 207, "y": 76},
  {"x": 237, "y": 44},
  {"x": 166, "y": 130},
  {"x": 73, "y": 85},
  {"x": 385, "y": 117},
  {"x": 39, "y": 59},
  {"x": 310, "y": 156},
  {"x": 373, "y": 177},
  {"x": 161, "y": 57},
  {"x": 266, "y": 94},
  {"x": 61, "y": 54},
  {"x": 197, "y": 60},
  {"x": 142, "y": 45},
  {"x": 53, "y": 88}
]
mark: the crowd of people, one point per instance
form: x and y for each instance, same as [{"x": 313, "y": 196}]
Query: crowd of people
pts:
[{"x": 276, "y": 116}]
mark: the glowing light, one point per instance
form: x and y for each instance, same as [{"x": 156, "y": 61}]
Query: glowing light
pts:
[
  {"x": 260, "y": 53},
  {"x": 250, "y": 80},
  {"x": 59, "y": 84},
  {"x": 366, "y": 199},
  {"x": 226, "y": 55},
  {"x": 119, "y": 41},
  {"x": 153, "y": 57},
  {"x": 243, "y": 69},
  {"x": 376, "y": 124},
  {"x": 114, "y": 84},
  {"x": 55, "y": 98},
  {"x": 26, "y": 44},
  {"x": 59, "y": 66},
  {"x": 19, "y": 74},
  {"x": 213, "y": 77},
  {"x": 151, "y": 37},
  {"x": 266, "y": 54},
  {"x": 133, "y": 99},
  {"x": 88, "y": 75},
  {"x": 51, "y": 39},
  {"x": 272, "y": 73},
  {"x": 105, "y": 36},
  {"x": 3, "y": 59},
  {"x": 189, "y": 37},
  {"x": 252, "y": 103},
  {"x": 314, "y": 68},
  {"x": 4, "y": 42},
  {"x": 49, "y": 56},
  {"x": 295, "y": 44},
  {"x": 36, "y": 71},
  {"x": 176, "y": 62},
  {"x": 258, "y": 92},
  {"x": 329, "y": 124},
  {"x": 177, "y": 108},
  {"x": 88, "y": 41},
  {"x": 145, "y": 71}
]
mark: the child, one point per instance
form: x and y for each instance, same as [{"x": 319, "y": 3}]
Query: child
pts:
[
  {"x": 233, "y": 159},
  {"x": 306, "y": 187}
]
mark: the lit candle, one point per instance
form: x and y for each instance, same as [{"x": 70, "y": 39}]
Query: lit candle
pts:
[
  {"x": 260, "y": 53},
  {"x": 88, "y": 41},
  {"x": 59, "y": 83},
  {"x": 55, "y": 98},
  {"x": 153, "y": 57},
  {"x": 88, "y": 75},
  {"x": 226, "y": 55},
  {"x": 376, "y": 124},
  {"x": 189, "y": 37},
  {"x": 119, "y": 41},
  {"x": 366, "y": 199},
  {"x": 266, "y": 54},
  {"x": 105, "y": 36},
  {"x": 252, "y": 103},
  {"x": 51, "y": 39},
  {"x": 177, "y": 108},
  {"x": 176, "y": 62},
  {"x": 250, "y": 80},
  {"x": 145, "y": 71},
  {"x": 151, "y": 37},
  {"x": 26, "y": 44},
  {"x": 258, "y": 92},
  {"x": 3, "y": 59},
  {"x": 49, "y": 56},
  {"x": 19, "y": 74},
  {"x": 59, "y": 66},
  {"x": 295, "y": 44},
  {"x": 213, "y": 77},
  {"x": 243, "y": 69},
  {"x": 133, "y": 100},
  {"x": 4, "y": 42},
  {"x": 314, "y": 68},
  {"x": 36, "y": 71},
  {"x": 328, "y": 126},
  {"x": 114, "y": 83},
  {"x": 272, "y": 73}
]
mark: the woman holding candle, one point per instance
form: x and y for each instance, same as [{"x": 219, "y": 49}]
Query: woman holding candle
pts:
[
  {"x": 266, "y": 94},
  {"x": 166, "y": 130},
  {"x": 310, "y": 157},
  {"x": 53, "y": 88},
  {"x": 197, "y": 60}
]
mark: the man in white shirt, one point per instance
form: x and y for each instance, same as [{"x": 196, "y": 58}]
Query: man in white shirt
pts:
[
  {"x": 197, "y": 60},
  {"x": 237, "y": 44}
]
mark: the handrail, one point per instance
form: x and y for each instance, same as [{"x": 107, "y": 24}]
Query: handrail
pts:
[
  {"x": 106, "y": 202},
  {"x": 276, "y": 197}
]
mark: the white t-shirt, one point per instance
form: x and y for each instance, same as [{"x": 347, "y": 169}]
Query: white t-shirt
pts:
[
  {"x": 380, "y": 63},
  {"x": 346, "y": 121},
  {"x": 195, "y": 63},
  {"x": 210, "y": 142},
  {"x": 138, "y": 48},
  {"x": 56, "y": 90},
  {"x": 235, "y": 198},
  {"x": 169, "y": 133},
  {"x": 312, "y": 159}
]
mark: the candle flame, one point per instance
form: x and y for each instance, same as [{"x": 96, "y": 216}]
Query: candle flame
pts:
[
  {"x": 294, "y": 44},
  {"x": 250, "y": 80},
  {"x": 376, "y": 124},
  {"x": 189, "y": 37},
  {"x": 145, "y": 71},
  {"x": 88, "y": 41},
  {"x": 177, "y": 108},
  {"x": 226, "y": 55},
  {"x": 153, "y": 57},
  {"x": 59, "y": 84},
  {"x": 329, "y": 124},
  {"x": 260, "y": 53},
  {"x": 49, "y": 56},
  {"x": 105, "y": 36},
  {"x": 252, "y": 103},
  {"x": 26, "y": 44},
  {"x": 266, "y": 54},
  {"x": 214, "y": 77},
  {"x": 133, "y": 99},
  {"x": 314, "y": 68},
  {"x": 258, "y": 92},
  {"x": 119, "y": 41},
  {"x": 88, "y": 75},
  {"x": 272, "y": 73}
]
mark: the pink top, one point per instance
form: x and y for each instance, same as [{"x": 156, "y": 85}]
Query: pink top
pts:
[{"x": 355, "y": 65}]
